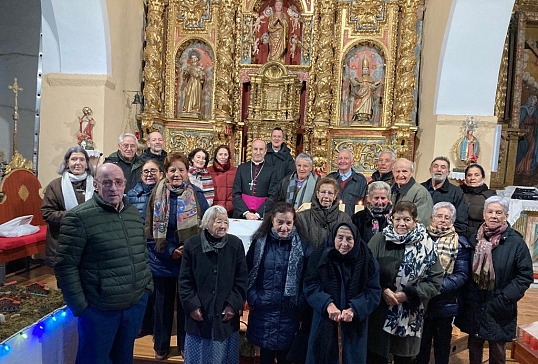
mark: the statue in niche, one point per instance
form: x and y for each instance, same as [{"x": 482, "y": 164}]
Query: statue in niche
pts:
[
  {"x": 195, "y": 76},
  {"x": 468, "y": 146},
  {"x": 527, "y": 148},
  {"x": 278, "y": 27},
  {"x": 363, "y": 90},
  {"x": 86, "y": 124}
]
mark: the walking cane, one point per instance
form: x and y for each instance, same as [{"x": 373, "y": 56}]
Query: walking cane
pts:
[{"x": 340, "y": 354}]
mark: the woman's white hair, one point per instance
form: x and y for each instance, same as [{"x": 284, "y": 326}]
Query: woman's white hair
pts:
[
  {"x": 497, "y": 199},
  {"x": 445, "y": 205},
  {"x": 210, "y": 215}
]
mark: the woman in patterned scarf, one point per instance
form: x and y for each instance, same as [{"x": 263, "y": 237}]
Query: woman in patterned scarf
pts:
[
  {"x": 501, "y": 273},
  {"x": 454, "y": 254},
  {"x": 173, "y": 215},
  {"x": 410, "y": 275}
]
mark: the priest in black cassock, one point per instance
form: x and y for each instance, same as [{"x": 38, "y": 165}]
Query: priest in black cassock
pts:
[{"x": 255, "y": 188}]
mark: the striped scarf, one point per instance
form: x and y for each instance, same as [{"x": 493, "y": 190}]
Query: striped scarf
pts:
[{"x": 201, "y": 178}]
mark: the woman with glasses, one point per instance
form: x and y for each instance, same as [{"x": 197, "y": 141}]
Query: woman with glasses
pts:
[
  {"x": 173, "y": 215},
  {"x": 410, "y": 275},
  {"x": 62, "y": 194},
  {"x": 151, "y": 174},
  {"x": 454, "y": 254},
  {"x": 324, "y": 214}
]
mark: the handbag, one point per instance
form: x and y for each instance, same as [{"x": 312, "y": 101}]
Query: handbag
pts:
[{"x": 299, "y": 346}]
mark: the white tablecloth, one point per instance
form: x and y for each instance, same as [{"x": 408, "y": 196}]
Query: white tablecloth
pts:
[
  {"x": 459, "y": 176},
  {"x": 517, "y": 206},
  {"x": 244, "y": 229}
]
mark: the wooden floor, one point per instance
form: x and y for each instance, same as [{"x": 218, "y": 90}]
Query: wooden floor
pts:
[{"x": 143, "y": 350}]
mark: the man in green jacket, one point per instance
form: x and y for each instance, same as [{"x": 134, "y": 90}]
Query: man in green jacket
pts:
[{"x": 103, "y": 270}]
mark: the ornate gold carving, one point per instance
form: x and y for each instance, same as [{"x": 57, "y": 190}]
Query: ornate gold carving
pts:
[
  {"x": 403, "y": 142},
  {"x": 185, "y": 141},
  {"x": 18, "y": 161},
  {"x": 193, "y": 13},
  {"x": 366, "y": 13},
  {"x": 500, "y": 96},
  {"x": 404, "y": 101},
  {"x": 365, "y": 152},
  {"x": 153, "y": 69}
]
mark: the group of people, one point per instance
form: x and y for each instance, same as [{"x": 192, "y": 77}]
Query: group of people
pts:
[{"x": 370, "y": 269}]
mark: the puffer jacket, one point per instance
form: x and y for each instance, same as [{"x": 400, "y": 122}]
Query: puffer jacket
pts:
[
  {"x": 319, "y": 222},
  {"x": 223, "y": 181},
  {"x": 102, "y": 257},
  {"x": 273, "y": 317},
  {"x": 448, "y": 303},
  {"x": 139, "y": 196},
  {"x": 474, "y": 199},
  {"x": 282, "y": 161},
  {"x": 492, "y": 315}
]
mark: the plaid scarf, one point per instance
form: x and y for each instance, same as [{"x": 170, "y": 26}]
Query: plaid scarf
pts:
[
  {"x": 446, "y": 242},
  {"x": 483, "y": 270},
  {"x": 186, "y": 215},
  {"x": 304, "y": 193}
]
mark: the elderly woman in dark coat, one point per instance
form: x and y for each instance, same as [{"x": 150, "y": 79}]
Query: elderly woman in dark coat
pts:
[
  {"x": 73, "y": 187},
  {"x": 276, "y": 261},
  {"x": 342, "y": 286},
  {"x": 454, "y": 255},
  {"x": 501, "y": 273},
  {"x": 410, "y": 275},
  {"x": 213, "y": 290},
  {"x": 375, "y": 216},
  {"x": 324, "y": 214}
]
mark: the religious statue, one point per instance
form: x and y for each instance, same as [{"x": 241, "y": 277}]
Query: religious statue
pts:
[
  {"x": 363, "y": 90},
  {"x": 195, "y": 76},
  {"x": 527, "y": 147},
  {"x": 278, "y": 28},
  {"x": 86, "y": 124},
  {"x": 469, "y": 146}
]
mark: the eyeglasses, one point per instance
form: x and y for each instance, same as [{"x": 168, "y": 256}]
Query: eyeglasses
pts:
[
  {"x": 127, "y": 146},
  {"x": 150, "y": 171},
  {"x": 108, "y": 183},
  {"x": 443, "y": 217}
]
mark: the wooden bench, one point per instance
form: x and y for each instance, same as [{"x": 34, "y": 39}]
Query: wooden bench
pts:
[{"x": 19, "y": 196}]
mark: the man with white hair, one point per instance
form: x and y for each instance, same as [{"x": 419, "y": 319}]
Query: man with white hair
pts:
[
  {"x": 405, "y": 188},
  {"x": 442, "y": 190},
  {"x": 352, "y": 184},
  {"x": 298, "y": 187},
  {"x": 127, "y": 159},
  {"x": 385, "y": 161}
]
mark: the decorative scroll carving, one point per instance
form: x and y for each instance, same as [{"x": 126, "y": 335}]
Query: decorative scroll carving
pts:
[
  {"x": 18, "y": 161},
  {"x": 153, "y": 68},
  {"x": 225, "y": 89},
  {"x": 365, "y": 151},
  {"x": 194, "y": 13},
  {"x": 185, "y": 141},
  {"x": 366, "y": 14},
  {"x": 404, "y": 100},
  {"x": 500, "y": 96}
]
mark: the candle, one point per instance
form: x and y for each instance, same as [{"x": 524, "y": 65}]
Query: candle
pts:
[
  {"x": 359, "y": 207},
  {"x": 341, "y": 206}
]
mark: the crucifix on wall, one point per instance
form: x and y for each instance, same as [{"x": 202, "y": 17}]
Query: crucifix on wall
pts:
[{"x": 15, "y": 87}]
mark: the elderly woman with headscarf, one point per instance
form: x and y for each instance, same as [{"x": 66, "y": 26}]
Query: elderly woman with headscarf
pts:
[
  {"x": 276, "y": 261},
  {"x": 501, "y": 273},
  {"x": 213, "y": 290},
  {"x": 62, "y": 194},
  {"x": 342, "y": 286},
  {"x": 454, "y": 255},
  {"x": 410, "y": 275},
  {"x": 173, "y": 215}
]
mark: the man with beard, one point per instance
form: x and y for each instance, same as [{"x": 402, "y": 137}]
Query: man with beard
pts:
[
  {"x": 255, "y": 188},
  {"x": 442, "y": 190},
  {"x": 154, "y": 150},
  {"x": 385, "y": 161},
  {"x": 405, "y": 188},
  {"x": 374, "y": 217},
  {"x": 298, "y": 187}
]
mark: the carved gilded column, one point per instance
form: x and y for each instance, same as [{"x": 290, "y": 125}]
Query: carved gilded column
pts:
[
  {"x": 323, "y": 82},
  {"x": 154, "y": 64},
  {"x": 500, "y": 96},
  {"x": 406, "y": 64}
]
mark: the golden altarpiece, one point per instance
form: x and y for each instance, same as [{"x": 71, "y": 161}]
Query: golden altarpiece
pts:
[{"x": 332, "y": 74}]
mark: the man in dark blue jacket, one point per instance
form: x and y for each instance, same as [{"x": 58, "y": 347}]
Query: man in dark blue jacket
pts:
[{"x": 279, "y": 155}]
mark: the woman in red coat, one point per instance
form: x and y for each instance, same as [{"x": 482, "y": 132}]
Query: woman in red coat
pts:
[{"x": 223, "y": 173}]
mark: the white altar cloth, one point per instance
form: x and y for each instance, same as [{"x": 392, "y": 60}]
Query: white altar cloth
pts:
[
  {"x": 517, "y": 206},
  {"x": 243, "y": 229}
]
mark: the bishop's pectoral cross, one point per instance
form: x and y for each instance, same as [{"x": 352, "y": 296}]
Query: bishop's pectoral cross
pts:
[
  {"x": 15, "y": 87},
  {"x": 252, "y": 184}
]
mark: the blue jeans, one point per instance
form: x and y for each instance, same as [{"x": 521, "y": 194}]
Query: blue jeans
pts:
[{"x": 107, "y": 336}]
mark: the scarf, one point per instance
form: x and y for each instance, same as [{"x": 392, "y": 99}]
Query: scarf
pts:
[
  {"x": 379, "y": 214},
  {"x": 305, "y": 192},
  {"x": 419, "y": 256},
  {"x": 212, "y": 244},
  {"x": 483, "y": 270},
  {"x": 221, "y": 167},
  {"x": 446, "y": 242},
  {"x": 474, "y": 190},
  {"x": 295, "y": 263},
  {"x": 202, "y": 179},
  {"x": 186, "y": 215},
  {"x": 68, "y": 191}
]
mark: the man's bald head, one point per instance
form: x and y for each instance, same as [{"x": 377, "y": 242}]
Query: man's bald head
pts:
[{"x": 109, "y": 183}]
